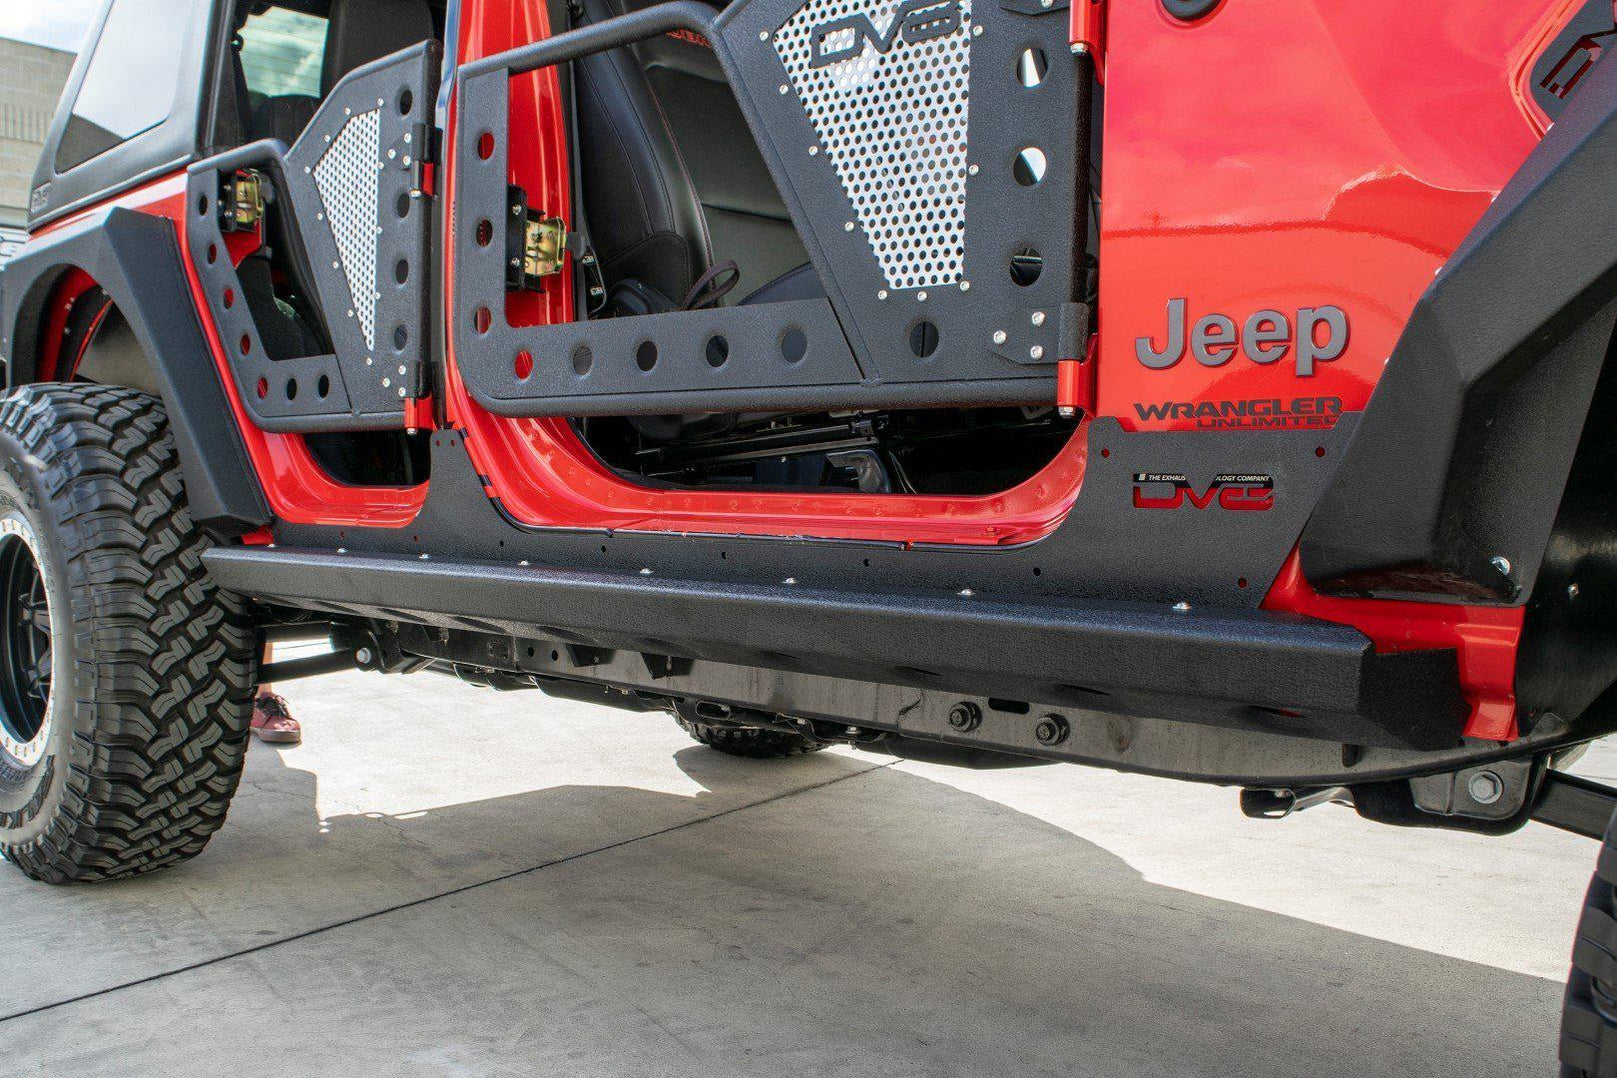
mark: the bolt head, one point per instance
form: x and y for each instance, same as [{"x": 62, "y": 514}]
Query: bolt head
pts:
[
  {"x": 1038, "y": 318},
  {"x": 1051, "y": 730},
  {"x": 1485, "y": 787},
  {"x": 1572, "y": 591},
  {"x": 363, "y": 656},
  {"x": 1036, "y": 352},
  {"x": 1500, "y": 562},
  {"x": 965, "y": 716},
  {"x": 999, "y": 336}
]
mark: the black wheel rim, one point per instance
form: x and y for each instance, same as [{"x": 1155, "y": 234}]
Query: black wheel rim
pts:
[{"x": 25, "y": 646}]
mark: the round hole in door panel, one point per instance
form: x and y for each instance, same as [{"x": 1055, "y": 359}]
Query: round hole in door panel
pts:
[
  {"x": 1026, "y": 265},
  {"x": 793, "y": 345},
  {"x": 213, "y": 254},
  {"x": 291, "y": 389},
  {"x": 262, "y": 388},
  {"x": 403, "y": 204},
  {"x": 485, "y": 145},
  {"x": 522, "y": 366},
  {"x": 230, "y": 298},
  {"x": 406, "y": 101},
  {"x": 246, "y": 344},
  {"x": 717, "y": 351},
  {"x": 322, "y": 388},
  {"x": 401, "y": 337},
  {"x": 401, "y": 271},
  {"x": 1032, "y": 67},
  {"x": 485, "y": 232},
  {"x": 583, "y": 360},
  {"x": 923, "y": 339},
  {"x": 202, "y": 205},
  {"x": 1030, "y": 166},
  {"x": 645, "y": 356},
  {"x": 482, "y": 319}
]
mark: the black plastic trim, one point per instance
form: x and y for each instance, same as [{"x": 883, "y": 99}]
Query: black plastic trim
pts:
[
  {"x": 135, "y": 257},
  {"x": 1450, "y": 485}
]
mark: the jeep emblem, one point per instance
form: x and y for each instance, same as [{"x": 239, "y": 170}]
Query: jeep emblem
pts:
[
  {"x": 915, "y": 21},
  {"x": 1266, "y": 336}
]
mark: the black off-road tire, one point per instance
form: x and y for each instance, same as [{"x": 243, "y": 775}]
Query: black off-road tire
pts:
[
  {"x": 1589, "y": 1012},
  {"x": 152, "y": 669},
  {"x": 751, "y": 742}
]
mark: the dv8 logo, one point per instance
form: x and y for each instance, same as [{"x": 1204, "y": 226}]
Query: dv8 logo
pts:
[
  {"x": 1241, "y": 492},
  {"x": 915, "y": 21}
]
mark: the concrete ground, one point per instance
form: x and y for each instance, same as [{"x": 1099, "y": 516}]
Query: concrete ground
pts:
[{"x": 444, "y": 880}]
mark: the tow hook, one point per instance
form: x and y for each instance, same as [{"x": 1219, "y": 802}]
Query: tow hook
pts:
[{"x": 1272, "y": 804}]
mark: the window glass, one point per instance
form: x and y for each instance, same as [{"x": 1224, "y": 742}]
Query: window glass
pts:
[
  {"x": 132, "y": 78},
  {"x": 281, "y": 52}
]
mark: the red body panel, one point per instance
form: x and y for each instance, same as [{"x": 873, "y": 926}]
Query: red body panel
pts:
[{"x": 1288, "y": 155}]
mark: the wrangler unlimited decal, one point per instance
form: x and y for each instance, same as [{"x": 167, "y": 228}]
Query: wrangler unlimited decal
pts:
[{"x": 1262, "y": 413}]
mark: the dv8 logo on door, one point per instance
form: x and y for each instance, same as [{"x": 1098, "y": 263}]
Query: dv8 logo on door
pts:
[
  {"x": 836, "y": 40},
  {"x": 1249, "y": 492}
]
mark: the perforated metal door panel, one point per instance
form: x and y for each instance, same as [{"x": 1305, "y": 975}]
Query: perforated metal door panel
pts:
[
  {"x": 349, "y": 184},
  {"x": 893, "y": 131}
]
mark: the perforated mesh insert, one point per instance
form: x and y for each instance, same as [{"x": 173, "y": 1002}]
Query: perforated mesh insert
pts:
[
  {"x": 894, "y": 126},
  {"x": 347, "y": 181}
]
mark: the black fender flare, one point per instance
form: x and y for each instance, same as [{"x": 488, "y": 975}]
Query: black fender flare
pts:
[{"x": 135, "y": 258}]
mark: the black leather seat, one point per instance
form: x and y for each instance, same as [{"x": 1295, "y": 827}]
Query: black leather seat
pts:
[
  {"x": 358, "y": 31},
  {"x": 673, "y": 180}
]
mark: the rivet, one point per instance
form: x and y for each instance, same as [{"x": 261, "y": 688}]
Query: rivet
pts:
[
  {"x": 790, "y": 580},
  {"x": 967, "y": 593},
  {"x": 391, "y": 154},
  {"x": 426, "y": 557},
  {"x": 847, "y": 226},
  {"x": 342, "y": 550},
  {"x": 921, "y": 296},
  {"x": 965, "y": 286},
  {"x": 1038, "y": 318},
  {"x": 1181, "y": 606},
  {"x": 1572, "y": 591},
  {"x": 524, "y": 561},
  {"x": 814, "y": 151},
  {"x": 1036, "y": 352},
  {"x": 971, "y": 170},
  {"x": 406, "y": 160},
  {"x": 387, "y": 383},
  {"x": 1500, "y": 562},
  {"x": 999, "y": 336},
  {"x": 882, "y": 294},
  {"x": 763, "y": 35},
  {"x": 976, "y": 31},
  {"x": 784, "y": 87},
  {"x": 646, "y": 571}
]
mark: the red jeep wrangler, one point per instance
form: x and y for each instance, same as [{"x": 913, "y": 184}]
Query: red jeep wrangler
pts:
[{"x": 1206, "y": 388}]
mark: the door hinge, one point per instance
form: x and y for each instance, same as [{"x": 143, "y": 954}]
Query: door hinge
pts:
[
  {"x": 1088, "y": 33},
  {"x": 535, "y": 243},
  {"x": 242, "y": 201}
]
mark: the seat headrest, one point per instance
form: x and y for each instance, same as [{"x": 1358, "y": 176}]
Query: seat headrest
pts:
[{"x": 364, "y": 30}]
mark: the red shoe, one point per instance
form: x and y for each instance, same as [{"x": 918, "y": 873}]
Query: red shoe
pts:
[{"x": 273, "y": 724}]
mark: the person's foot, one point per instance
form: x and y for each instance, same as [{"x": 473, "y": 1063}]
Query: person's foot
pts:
[{"x": 272, "y": 722}]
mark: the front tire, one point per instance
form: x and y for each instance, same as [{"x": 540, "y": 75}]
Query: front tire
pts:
[
  {"x": 1589, "y": 1012},
  {"x": 128, "y": 759}
]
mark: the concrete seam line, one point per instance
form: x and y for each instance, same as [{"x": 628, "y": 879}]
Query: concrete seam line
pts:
[{"x": 357, "y": 918}]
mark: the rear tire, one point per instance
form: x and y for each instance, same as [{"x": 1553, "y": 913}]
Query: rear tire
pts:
[
  {"x": 130, "y": 762},
  {"x": 1589, "y": 1011}
]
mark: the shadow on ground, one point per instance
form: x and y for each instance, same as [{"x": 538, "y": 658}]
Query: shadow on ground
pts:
[{"x": 843, "y": 920}]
